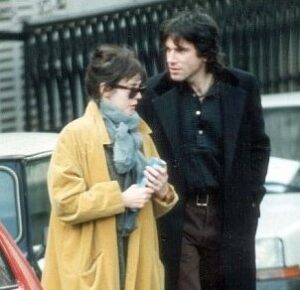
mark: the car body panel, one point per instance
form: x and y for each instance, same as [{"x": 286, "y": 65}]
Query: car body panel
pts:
[
  {"x": 274, "y": 219},
  {"x": 280, "y": 217},
  {"x": 24, "y": 275},
  {"x": 24, "y": 202},
  {"x": 280, "y": 212},
  {"x": 287, "y": 284},
  {"x": 281, "y": 100},
  {"x": 19, "y": 145}
]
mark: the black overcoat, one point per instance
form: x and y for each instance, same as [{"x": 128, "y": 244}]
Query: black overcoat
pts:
[{"x": 246, "y": 151}]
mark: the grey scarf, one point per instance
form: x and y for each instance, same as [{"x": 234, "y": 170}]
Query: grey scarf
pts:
[{"x": 126, "y": 142}]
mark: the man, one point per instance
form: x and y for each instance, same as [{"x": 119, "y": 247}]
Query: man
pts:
[{"x": 208, "y": 126}]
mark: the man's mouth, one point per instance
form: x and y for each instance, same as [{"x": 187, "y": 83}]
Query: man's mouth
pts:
[{"x": 174, "y": 70}]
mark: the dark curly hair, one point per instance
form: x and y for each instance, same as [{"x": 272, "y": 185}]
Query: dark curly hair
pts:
[
  {"x": 200, "y": 29},
  {"x": 109, "y": 64}
]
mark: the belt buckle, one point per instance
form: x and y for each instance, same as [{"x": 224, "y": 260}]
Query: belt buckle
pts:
[{"x": 199, "y": 203}]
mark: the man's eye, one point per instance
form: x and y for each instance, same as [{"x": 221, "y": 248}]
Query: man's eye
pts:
[{"x": 182, "y": 49}]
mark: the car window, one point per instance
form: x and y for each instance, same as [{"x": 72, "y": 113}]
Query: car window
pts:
[
  {"x": 283, "y": 127},
  {"x": 7, "y": 280},
  {"x": 9, "y": 201},
  {"x": 38, "y": 200}
]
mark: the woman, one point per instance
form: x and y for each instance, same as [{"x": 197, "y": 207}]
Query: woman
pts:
[{"x": 102, "y": 232}]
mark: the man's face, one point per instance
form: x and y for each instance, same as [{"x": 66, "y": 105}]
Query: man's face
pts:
[{"x": 182, "y": 60}]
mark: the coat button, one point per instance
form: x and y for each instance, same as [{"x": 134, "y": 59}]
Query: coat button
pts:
[
  {"x": 174, "y": 163},
  {"x": 253, "y": 204},
  {"x": 163, "y": 237}
]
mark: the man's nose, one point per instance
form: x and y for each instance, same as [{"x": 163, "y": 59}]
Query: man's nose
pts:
[{"x": 171, "y": 57}]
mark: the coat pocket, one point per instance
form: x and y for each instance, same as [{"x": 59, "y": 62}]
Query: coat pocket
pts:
[
  {"x": 80, "y": 250},
  {"x": 90, "y": 278}
]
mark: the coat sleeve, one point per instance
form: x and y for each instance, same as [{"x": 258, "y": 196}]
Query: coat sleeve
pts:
[
  {"x": 260, "y": 144},
  {"x": 72, "y": 200},
  {"x": 160, "y": 207}
]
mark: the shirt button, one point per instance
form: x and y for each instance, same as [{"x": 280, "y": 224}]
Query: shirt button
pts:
[
  {"x": 200, "y": 132},
  {"x": 198, "y": 113}
]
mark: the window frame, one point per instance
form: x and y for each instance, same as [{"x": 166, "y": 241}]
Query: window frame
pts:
[{"x": 15, "y": 178}]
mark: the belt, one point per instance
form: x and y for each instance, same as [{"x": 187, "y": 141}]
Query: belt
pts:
[
  {"x": 201, "y": 200},
  {"x": 202, "y": 197}
]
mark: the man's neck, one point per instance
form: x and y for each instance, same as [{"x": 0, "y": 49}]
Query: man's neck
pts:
[{"x": 201, "y": 83}]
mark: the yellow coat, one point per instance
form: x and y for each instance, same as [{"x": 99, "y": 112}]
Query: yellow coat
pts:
[{"x": 82, "y": 239}]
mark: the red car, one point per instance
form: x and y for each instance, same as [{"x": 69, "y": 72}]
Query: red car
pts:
[{"x": 15, "y": 271}]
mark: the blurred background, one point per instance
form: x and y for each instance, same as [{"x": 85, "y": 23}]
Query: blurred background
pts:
[{"x": 45, "y": 46}]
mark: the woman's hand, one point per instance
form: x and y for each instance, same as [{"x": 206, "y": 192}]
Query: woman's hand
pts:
[
  {"x": 157, "y": 180},
  {"x": 136, "y": 196}
]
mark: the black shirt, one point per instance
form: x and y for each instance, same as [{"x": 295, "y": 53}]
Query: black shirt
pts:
[{"x": 201, "y": 132}]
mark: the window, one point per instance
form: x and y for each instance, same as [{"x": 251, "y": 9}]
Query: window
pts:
[
  {"x": 38, "y": 199},
  {"x": 9, "y": 201},
  {"x": 283, "y": 127}
]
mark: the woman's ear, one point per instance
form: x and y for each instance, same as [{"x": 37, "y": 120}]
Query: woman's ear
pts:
[{"x": 104, "y": 90}]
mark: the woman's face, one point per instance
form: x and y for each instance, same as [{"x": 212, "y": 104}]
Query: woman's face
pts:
[{"x": 125, "y": 94}]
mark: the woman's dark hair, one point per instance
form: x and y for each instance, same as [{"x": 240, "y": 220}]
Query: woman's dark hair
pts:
[
  {"x": 109, "y": 64},
  {"x": 200, "y": 29}
]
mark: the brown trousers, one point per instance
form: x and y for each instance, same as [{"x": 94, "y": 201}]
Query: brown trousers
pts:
[{"x": 200, "y": 263}]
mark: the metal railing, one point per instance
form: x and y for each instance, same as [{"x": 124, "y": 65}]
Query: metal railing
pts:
[{"x": 260, "y": 36}]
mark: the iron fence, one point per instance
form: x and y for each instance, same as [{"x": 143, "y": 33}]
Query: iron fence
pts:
[{"x": 259, "y": 36}]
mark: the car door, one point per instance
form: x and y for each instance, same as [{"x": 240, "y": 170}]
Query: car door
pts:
[{"x": 15, "y": 271}]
